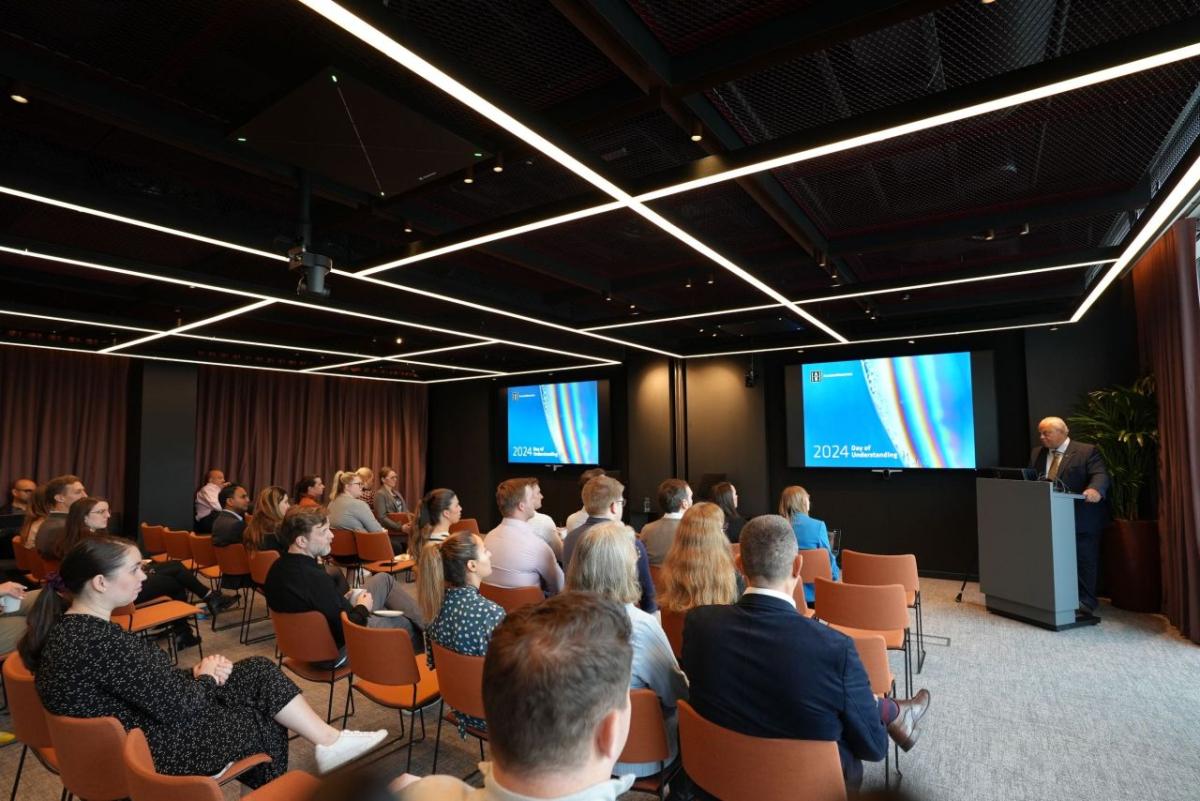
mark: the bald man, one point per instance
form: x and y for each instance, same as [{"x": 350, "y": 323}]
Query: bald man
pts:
[{"x": 1081, "y": 470}]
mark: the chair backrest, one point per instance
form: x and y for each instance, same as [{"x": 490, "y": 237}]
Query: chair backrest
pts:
[
  {"x": 304, "y": 636},
  {"x": 460, "y": 679},
  {"x": 382, "y": 656},
  {"x": 861, "y": 606},
  {"x": 147, "y": 784},
  {"x": 798, "y": 593},
  {"x": 373, "y": 546},
  {"x": 512, "y": 598},
  {"x": 872, "y": 652},
  {"x": 233, "y": 559},
  {"x": 672, "y": 623},
  {"x": 657, "y": 578},
  {"x": 177, "y": 544},
  {"x": 21, "y": 554},
  {"x": 647, "y": 740},
  {"x": 260, "y": 565},
  {"x": 152, "y": 538},
  {"x": 466, "y": 524},
  {"x": 401, "y": 517},
  {"x": 816, "y": 565},
  {"x": 870, "y": 568},
  {"x": 88, "y": 749},
  {"x": 203, "y": 553},
  {"x": 24, "y": 704},
  {"x": 737, "y": 767},
  {"x": 343, "y": 543}
]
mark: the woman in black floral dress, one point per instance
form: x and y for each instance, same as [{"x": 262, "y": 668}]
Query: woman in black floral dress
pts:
[{"x": 196, "y": 721}]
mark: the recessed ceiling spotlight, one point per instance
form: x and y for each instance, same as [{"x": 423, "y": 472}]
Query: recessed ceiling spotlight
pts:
[
  {"x": 912, "y": 341},
  {"x": 333, "y": 78},
  {"x": 408, "y": 229},
  {"x": 1025, "y": 229},
  {"x": 989, "y": 235},
  {"x": 469, "y": 175},
  {"x": 688, "y": 285},
  {"x": 399, "y": 340},
  {"x": 607, "y": 295},
  {"x": 633, "y": 305},
  {"x": 711, "y": 279},
  {"x": 697, "y": 131},
  {"x": 241, "y": 139},
  {"x": 498, "y": 165},
  {"x": 17, "y": 97},
  {"x": 1054, "y": 328}
]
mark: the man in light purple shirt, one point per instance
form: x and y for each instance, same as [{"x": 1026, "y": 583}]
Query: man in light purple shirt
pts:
[{"x": 521, "y": 558}]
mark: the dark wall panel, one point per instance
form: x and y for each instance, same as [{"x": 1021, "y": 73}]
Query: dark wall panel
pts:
[{"x": 163, "y": 445}]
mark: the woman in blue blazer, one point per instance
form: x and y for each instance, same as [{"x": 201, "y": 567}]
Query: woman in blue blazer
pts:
[{"x": 811, "y": 533}]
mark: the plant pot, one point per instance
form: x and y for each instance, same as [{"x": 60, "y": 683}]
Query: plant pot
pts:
[{"x": 1132, "y": 571}]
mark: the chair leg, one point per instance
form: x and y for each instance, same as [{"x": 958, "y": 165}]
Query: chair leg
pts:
[
  {"x": 920, "y": 633},
  {"x": 437, "y": 743},
  {"x": 481, "y": 756},
  {"x": 908, "y": 678},
  {"x": 20, "y": 767},
  {"x": 346, "y": 708}
]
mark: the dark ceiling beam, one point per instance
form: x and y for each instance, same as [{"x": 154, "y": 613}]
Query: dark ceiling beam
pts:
[
  {"x": 1039, "y": 212},
  {"x": 1151, "y": 42}
]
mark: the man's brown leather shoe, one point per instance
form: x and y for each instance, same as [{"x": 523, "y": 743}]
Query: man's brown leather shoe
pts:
[{"x": 903, "y": 730}]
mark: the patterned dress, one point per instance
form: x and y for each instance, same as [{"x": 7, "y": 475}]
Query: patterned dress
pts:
[
  {"x": 464, "y": 625},
  {"x": 93, "y": 668}
]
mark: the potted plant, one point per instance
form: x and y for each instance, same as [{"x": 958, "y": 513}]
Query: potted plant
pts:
[{"x": 1122, "y": 422}]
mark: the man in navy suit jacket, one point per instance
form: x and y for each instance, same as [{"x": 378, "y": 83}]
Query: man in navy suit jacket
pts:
[
  {"x": 1081, "y": 470},
  {"x": 760, "y": 668}
]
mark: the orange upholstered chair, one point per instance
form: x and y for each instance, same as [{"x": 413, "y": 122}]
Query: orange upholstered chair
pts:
[
  {"x": 460, "y": 679},
  {"x": 28, "y": 718},
  {"x": 376, "y": 554},
  {"x": 736, "y": 767},
  {"x": 870, "y": 568},
  {"x": 672, "y": 623},
  {"x": 388, "y": 671},
  {"x": 512, "y": 598},
  {"x": 85, "y": 748},
  {"x": 647, "y": 741},
  {"x": 344, "y": 552},
  {"x": 877, "y": 609},
  {"x": 303, "y": 638},
  {"x": 204, "y": 556},
  {"x": 154, "y": 542},
  {"x": 179, "y": 547},
  {"x": 466, "y": 524},
  {"x": 260, "y": 565}
]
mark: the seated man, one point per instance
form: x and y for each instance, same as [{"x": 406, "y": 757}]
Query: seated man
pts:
[
  {"x": 796, "y": 678},
  {"x": 21, "y": 495},
  {"x": 520, "y": 558},
  {"x": 604, "y": 500},
  {"x": 60, "y": 492},
  {"x": 296, "y": 583},
  {"x": 556, "y": 693},
  {"x": 674, "y": 498},
  {"x": 228, "y": 526},
  {"x": 207, "y": 502}
]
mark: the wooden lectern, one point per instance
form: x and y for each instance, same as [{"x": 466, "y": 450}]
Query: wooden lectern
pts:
[{"x": 1027, "y": 565}]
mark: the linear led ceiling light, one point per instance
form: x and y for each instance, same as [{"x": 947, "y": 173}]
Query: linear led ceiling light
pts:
[
  {"x": 373, "y": 37},
  {"x": 850, "y": 295},
  {"x": 523, "y": 372},
  {"x": 188, "y": 326},
  {"x": 162, "y": 229},
  {"x": 1163, "y": 215},
  {"x": 874, "y": 340}
]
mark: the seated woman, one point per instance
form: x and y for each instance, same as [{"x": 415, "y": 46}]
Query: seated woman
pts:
[
  {"x": 346, "y": 508},
  {"x": 35, "y": 515},
  {"x": 724, "y": 495},
  {"x": 388, "y": 500},
  {"x": 437, "y": 511},
  {"x": 462, "y": 620},
  {"x": 368, "y": 486},
  {"x": 309, "y": 491},
  {"x": 698, "y": 570},
  {"x": 88, "y": 517},
  {"x": 794, "y": 504},
  {"x": 262, "y": 532},
  {"x": 196, "y": 721},
  {"x": 605, "y": 562}
]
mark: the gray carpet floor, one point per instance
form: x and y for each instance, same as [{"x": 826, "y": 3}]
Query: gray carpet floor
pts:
[{"x": 1106, "y": 712}]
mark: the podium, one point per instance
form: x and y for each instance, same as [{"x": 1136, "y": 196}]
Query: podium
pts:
[{"x": 1027, "y": 565}]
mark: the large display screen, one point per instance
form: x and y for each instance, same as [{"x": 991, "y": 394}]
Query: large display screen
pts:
[
  {"x": 554, "y": 423},
  {"x": 898, "y": 412}
]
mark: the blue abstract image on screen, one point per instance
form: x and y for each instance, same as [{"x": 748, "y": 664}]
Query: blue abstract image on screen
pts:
[
  {"x": 907, "y": 411},
  {"x": 554, "y": 423}
]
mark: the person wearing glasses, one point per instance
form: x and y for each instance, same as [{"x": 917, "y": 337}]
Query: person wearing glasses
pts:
[
  {"x": 520, "y": 558},
  {"x": 347, "y": 509},
  {"x": 604, "y": 499},
  {"x": 21, "y": 495}
]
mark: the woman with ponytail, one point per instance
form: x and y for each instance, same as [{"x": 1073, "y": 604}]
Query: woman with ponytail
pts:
[
  {"x": 437, "y": 511},
  {"x": 196, "y": 721},
  {"x": 346, "y": 508},
  {"x": 461, "y": 620}
]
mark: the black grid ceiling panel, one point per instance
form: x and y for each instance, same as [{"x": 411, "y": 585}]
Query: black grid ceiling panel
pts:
[
  {"x": 952, "y": 47},
  {"x": 929, "y": 259},
  {"x": 526, "y": 183},
  {"x": 527, "y": 50},
  {"x": 641, "y": 146},
  {"x": 682, "y": 27},
  {"x": 1101, "y": 137}
]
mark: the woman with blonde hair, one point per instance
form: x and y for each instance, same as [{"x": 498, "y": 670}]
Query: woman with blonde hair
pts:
[
  {"x": 698, "y": 569},
  {"x": 368, "y": 479},
  {"x": 461, "y": 620},
  {"x": 794, "y": 505},
  {"x": 605, "y": 562},
  {"x": 347, "y": 510}
]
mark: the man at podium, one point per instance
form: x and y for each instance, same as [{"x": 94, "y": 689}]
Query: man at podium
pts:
[{"x": 1078, "y": 468}]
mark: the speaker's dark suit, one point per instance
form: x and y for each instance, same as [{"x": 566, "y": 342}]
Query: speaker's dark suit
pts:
[
  {"x": 1082, "y": 468},
  {"x": 759, "y": 668}
]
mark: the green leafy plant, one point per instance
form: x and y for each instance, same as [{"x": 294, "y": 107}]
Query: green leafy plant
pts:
[{"x": 1123, "y": 423}]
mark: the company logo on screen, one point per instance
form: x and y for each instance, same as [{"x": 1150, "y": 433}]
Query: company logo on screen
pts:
[
  {"x": 815, "y": 376},
  {"x": 515, "y": 396}
]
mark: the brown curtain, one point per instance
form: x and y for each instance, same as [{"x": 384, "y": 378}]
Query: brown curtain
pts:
[
  {"x": 271, "y": 428},
  {"x": 63, "y": 413},
  {"x": 1168, "y": 314}
]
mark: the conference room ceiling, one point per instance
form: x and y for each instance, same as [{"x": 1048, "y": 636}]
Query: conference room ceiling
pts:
[{"x": 880, "y": 170}]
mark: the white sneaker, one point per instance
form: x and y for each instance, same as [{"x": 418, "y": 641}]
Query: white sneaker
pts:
[{"x": 349, "y": 745}]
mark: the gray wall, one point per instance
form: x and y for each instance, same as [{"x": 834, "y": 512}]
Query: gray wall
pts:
[{"x": 649, "y": 429}]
